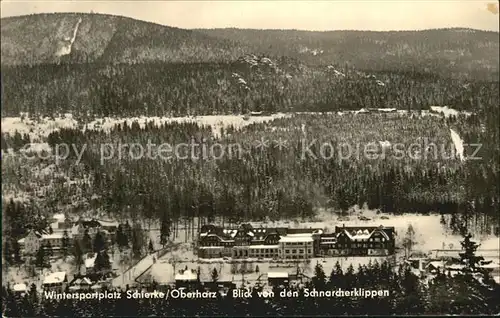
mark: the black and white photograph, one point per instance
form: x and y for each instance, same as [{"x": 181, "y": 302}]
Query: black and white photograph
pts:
[{"x": 250, "y": 158}]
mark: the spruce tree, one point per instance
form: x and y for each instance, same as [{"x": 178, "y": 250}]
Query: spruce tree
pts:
[
  {"x": 102, "y": 262},
  {"x": 165, "y": 229},
  {"x": 215, "y": 275},
  {"x": 468, "y": 256},
  {"x": 78, "y": 255},
  {"x": 86, "y": 242},
  {"x": 151, "y": 247},
  {"x": 99, "y": 243},
  {"x": 40, "y": 257},
  {"x": 319, "y": 278}
]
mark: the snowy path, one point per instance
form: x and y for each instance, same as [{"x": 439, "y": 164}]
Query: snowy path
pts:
[
  {"x": 129, "y": 276},
  {"x": 66, "y": 49},
  {"x": 459, "y": 144}
]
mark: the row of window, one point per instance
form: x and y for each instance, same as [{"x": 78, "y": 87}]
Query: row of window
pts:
[
  {"x": 355, "y": 245},
  {"x": 227, "y": 244},
  {"x": 297, "y": 243},
  {"x": 295, "y": 256},
  {"x": 300, "y": 251}
]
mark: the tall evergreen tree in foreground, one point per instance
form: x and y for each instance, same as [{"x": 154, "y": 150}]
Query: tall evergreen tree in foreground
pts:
[
  {"x": 78, "y": 255},
  {"x": 319, "y": 279},
  {"x": 468, "y": 256}
]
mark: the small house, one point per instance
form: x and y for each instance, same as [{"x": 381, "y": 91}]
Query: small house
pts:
[
  {"x": 435, "y": 266},
  {"x": 19, "y": 289},
  {"x": 277, "y": 278},
  {"x": 80, "y": 283},
  {"x": 55, "y": 281},
  {"x": 187, "y": 279},
  {"x": 59, "y": 222},
  {"x": 109, "y": 226}
]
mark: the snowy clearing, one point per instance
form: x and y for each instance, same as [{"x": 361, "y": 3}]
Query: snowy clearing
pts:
[
  {"x": 458, "y": 143},
  {"x": 38, "y": 129}
]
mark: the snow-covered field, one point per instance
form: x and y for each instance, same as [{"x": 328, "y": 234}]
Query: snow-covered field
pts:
[
  {"x": 458, "y": 143},
  {"x": 447, "y": 111},
  {"x": 40, "y": 128},
  {"x": 429, "y": 233}
]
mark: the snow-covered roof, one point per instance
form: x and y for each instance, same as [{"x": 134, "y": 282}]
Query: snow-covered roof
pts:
[
  {"x": 90, "y": 261},
  {"x": 19, "y": 288},
  {"x": 55, "y": 235},
  {"x": 83, "y": 281},
  {"x": 277, "y": 275},
  {"x": 291, "y": 239},
  {"x": 59, "y": 217},
  {"x": 262, "y": 246},
  {"x": 325, "y": 238},
  {"x": 30, "y": 233},
  {"x": 300, "y": 235},
  {"x": 231, "y": 233},
  {"x": 54, "y": 278},
  {"x": 490, "y": 265},
  {"x": 455, "y": 267},
  {"x": 364, "y": 235},
  {"x": 436, "y": 264},
  {"x": 108, "y": 223},
  {"x": 187, "y": 275}
]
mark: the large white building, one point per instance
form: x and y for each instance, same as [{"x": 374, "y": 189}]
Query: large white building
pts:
[
  {"x": 249, "y": 242},
  {"x": 296, "y": 246}
]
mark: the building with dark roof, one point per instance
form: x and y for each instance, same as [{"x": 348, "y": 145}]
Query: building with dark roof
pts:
[
  {"x": 359, "y": 241},
  {"x": 249, "y": 242}
]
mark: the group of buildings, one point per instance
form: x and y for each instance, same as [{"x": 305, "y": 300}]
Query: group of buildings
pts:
[
  {"x": 246, "y": 241},
  {"x": 61, "y": 228},
  {"x": 448, "y": 262}
]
